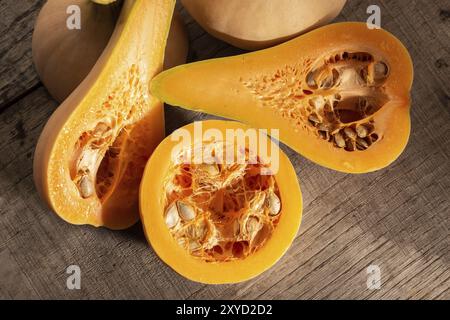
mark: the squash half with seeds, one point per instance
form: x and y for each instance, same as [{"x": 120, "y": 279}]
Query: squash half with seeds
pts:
[
  {"x": 215, "y": 220},
  {"x": 92, "y": 152},
  {"x": 340, "y": 95}
]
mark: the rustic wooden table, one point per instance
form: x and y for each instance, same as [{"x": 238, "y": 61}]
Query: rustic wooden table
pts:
[{"x": 396, "y": 218}]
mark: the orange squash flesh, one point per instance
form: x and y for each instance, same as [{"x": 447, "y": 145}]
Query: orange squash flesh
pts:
[
  {"x": 200, "y": 263},
  {"x": 91, "y": 154},
  {"x": 340, "y": 95}
]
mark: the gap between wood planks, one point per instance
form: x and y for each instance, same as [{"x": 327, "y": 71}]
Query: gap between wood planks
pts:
[{"x": 4, "y": 106}]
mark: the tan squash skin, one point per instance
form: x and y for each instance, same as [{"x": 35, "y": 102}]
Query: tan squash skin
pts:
[
  {"x": 216, "y": 272},
  {"x": 177, "y": 44},
  {"x": 63, "y": 57},
  {"x": 244, "y": 88},
  {"x": 253, "y": 25},
  {"x": 136, "y": 48},
  {"x": 103, "y": 1}
]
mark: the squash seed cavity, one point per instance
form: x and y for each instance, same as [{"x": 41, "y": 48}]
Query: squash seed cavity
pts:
[
  {"x": 97, "y": 154},
  {"x": 221, "y": 212},
  {"x": 335, "y": 99}
]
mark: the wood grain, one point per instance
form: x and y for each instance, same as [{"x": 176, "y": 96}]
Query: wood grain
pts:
[
  {"x": 397, "y": 218},
  {"x": 18, "y": 76}
]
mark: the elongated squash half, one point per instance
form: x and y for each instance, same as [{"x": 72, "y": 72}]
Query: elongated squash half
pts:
[
  {"x": 220, "y": 202},
  {"x": 63, "y": 57},
  {"x": 92, "y": 152},
  {"x": 340, "y": 95}
]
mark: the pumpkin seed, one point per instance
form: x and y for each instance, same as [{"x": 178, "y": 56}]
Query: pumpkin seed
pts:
[
  {"x": 186, "y": 211},
  {"x": 236, "y": 228},
  {"x": 191, "y": 232},
  {"x": 172, "y": 216},
  {"x": 323, "y": 127},
  {"x": 252, "y": 226},
  {"x": 86, "y": 187},
  {"x": 380, "y": 71},
  {"x": 197, "y": 231},
  {"x": 100, "y": 129},
  {"x": 274, "y": 204},
  {"x": 258, "y": 202},
  {"x": 194, "y": 246},
  {"x": 202, "y": 229},
  {"x": 361, "y": 144},
  {"x": 311, "y": 81},
  {"x": 363, "y": 76},
  {"x": 314, "y": 119},
  {"x": 362, "y": 131},
  {"x": 362, "y": 102},
  {"x": 349, "y": 132},
  {"x": 339, "y": 140},
  {"x": 350, "y": 145},
  {"x": 261, "y": 236},
  {"x": 211, "y": 169}
]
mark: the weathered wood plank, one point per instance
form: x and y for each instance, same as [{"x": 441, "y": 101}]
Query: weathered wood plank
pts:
[
  {"x": 16, "y": 66},
  {"x": 396, "y": 218},
  {"x": 113, "y": 264}
]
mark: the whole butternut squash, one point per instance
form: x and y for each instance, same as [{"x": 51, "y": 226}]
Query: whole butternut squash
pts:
[
  {"x": 258, "y": 24},
  {"x": 63, "y": 57}
]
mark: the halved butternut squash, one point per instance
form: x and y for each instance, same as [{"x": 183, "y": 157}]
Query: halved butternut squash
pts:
[
  {"x": 340, "y": 95},
  {"x": 63, "y": 57},
  {"x": 216, "y": 205},
  {"x": 92, "y": 152}
]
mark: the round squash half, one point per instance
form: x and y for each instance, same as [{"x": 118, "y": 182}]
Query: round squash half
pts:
[{"x": 216, "y": 222}]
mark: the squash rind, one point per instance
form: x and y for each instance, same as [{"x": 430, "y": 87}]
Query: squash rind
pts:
[
  {"x": 64, "y": 57},
  {"x": 253, "y": 25}
]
